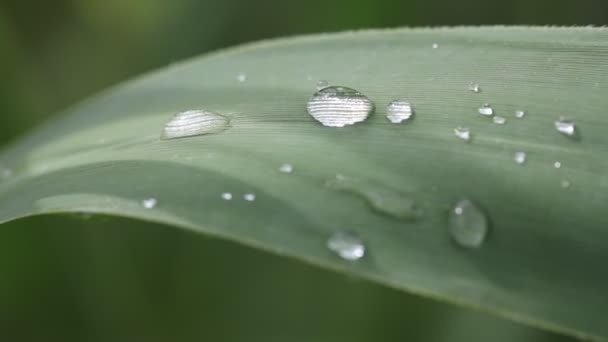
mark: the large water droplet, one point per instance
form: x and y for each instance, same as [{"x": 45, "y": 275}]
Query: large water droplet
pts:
[
  {"x": 383, "y": 199},
  {"x": 249, "y": 197},
  {"x": 339, "y": 106},
  {"x": 226, "y": 196},
  {"x": 486, "y": 109},
  {"x": 520, "y": 157},
  {"x": 520, "y": 114},
  {"x": 399, "y": 111},
  {"x": 565, "y": 126},
  {"x": 347, "y": 245},
  {"x": 463, "y": 133},
  {"x": 149, "y": 203},
  {"x": 467, "y": 224},
  {"x": 474, "y": 87},
  {"x": 557, "y": 164},
  {"x": 195, "y": 122},
  {"x": 286, "y": 168},
  {"x": 322, "y": 84},
  {"x": 499, "y": 120}
]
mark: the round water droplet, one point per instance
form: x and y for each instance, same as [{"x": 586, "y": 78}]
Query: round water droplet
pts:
[
  {"x": 565, "y": 126},
  {"x": 339, "y": 106},
  {"x": 195, "y": 122},
  {"x": 474, "y": 87},
  {"x": 467, "y": 224},
  {"x": 242, "y": 77},
  {"x": 347, "y": 245},
  {"x": 286, "y": 168},
  {"x": 520, "y": 157},
  {"x": 557, "y": 164},
  {"x": 149, "y": 203},
  {"x": 520, "y": 114},
  {"x": 249, "y": 197},
  {"x": 226, "y": 196},
  {"x": 322, "y": 84},
  {"x": 435, "y": 45},
  {"x": 486, "y": 109},
  {"x": 499, "y": 120},
  {"x": 399, "y": 111},
  {"x": 463, "y": 133}
]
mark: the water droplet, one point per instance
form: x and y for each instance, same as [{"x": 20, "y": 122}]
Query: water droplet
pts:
[
  {"x": 149, "y": 203},
  {"x": 520, "y": 114},
  {"x": 435, "y": 45},
  {"x": 398, "y": 111},
  {"x": 286, "y": 168},
  {"x": 226, "y": 196},
  {"x": 347, "y": 245},
  {"x": 565, "y": 126},
  {"x": 322, "y": 84},
  {"x": 463, "y": 133},
  {"x": 249, "y": 197},
  {"x": 467, "y": 224},
  {"x": 565, "y": 183},
  {"x": 195, "y": 122},
  {"x": 242, "y": 77},
  {"x": 474, "y": 87},
  {"x": 499, "y": 120},
  {"x": 557, "y": 164},
  {"x": 385, "y": 200},
  {"x": 520, "y": 157},
  {"x": 339, "y": 106},
  {"x": 486, "y": 109}
]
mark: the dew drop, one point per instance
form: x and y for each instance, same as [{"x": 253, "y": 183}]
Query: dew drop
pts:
[
  {"x": 347, "y": 245},
  {"x": 486, "y": 109},
  {"x": 520, "y": 157},
  {"x": 463, "y": 133},
  {"x": 499, "y": 120},
  {"x": 322, "y": 84},
  {"x": 286, "y": 168},
  {"x": 195, "y": 122},
  {"x": 435, "y": 45},
  {"x": 249, "y": 197},
  {"x": 520, "y": 114},
  {"x": 565, "y": 183},
  {"x": 565, "y": 126},
  {"x": 226, "y": 196},
  {"x": 149, "y": 203},
  {"x": 242, "y": 77},
  {"x": 382, "y": 199},
  {"x": 336, "y": 106},
  {"x": 398, "y": 111},
  {"x": 474, "y": 87},
  {"x": 557, "y": 164},
  {"x": 467, "y": 224}
]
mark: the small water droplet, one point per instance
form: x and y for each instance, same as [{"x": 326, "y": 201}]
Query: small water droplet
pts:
[
  {"x": 565, "y": 183},
  {"x": 195, "y": 122},
  {"x": 249, "y": 197},
  {"x": 286, "y": 168},
  {"x": 467, "y": 224},
  {"x": 5, "y": 173},
  {"x": 336, "y": 106},
  {"x": 557, "y": 164},
  {"x": 322, "y": 84},
  {"x": 435, "y": 45},
  {"x": 520, "y": 114},
  {"x": 486, "y": 109},
  {"x": 242, "y": 77},
  {"x": 149, "y": 203},
  {"x": 226, "y": 196},
  {"x": 499, "y": 120},
  {"x": 474, "y": 87},
  {"x": 520, "y": 157},
  {"x": 385, "y": 200},
  {"x": 565, "y": 126},
  {"x": 398, "y": 111},
  {"x": 463, "y": 133},
  {"x": 347, "y": 245}
]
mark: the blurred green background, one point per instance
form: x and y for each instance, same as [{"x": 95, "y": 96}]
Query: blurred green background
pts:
[{"x": 108, "y": 279}]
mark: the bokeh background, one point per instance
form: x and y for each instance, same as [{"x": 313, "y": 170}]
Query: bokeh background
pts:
[{"x": 108, "y": 279}]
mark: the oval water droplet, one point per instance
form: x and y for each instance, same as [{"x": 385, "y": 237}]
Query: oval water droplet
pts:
[
  {"x": 467, "y": 224},
  {"x": 286, "y": 168},
  {"x": 463, "y": 133},
  {"x": 347, "y": 245},
  {"x": 249, "y": 197},
  {"x": 486, "y": 109},
  {"x": 336, "y": 106},
  {"x": 242, "y": 77},
  {"x": 149, "y": 203},
  {"x": 520, "y": 114},
  {"x": 520, "y": 157},
  {"x": 435, "y": 45},
  {"x": 227, "y": 196},
  {"x": 382, "y": 199},
  {"x": 398, "y": 111},
  {"x": 195, "y": 122},
  {"x": 474, "y": 87},
  {"x": 322, "y": 84},
  {"x": 565, "y": 183},
  {"x": 565, "y": 126},
  {"x": 557, "y": 164},
  {"x": 499, "y": 120}
]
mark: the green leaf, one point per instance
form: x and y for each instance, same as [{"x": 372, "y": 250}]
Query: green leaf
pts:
[{"x": 542, "y": 261}]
